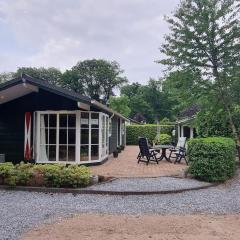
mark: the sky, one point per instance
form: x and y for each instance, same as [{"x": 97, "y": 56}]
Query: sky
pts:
[{"x": 59, "y": 33}]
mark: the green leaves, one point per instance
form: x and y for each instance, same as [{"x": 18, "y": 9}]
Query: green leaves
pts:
[
  {"x": 97, "y": 78},
  {"x": 53, "y": 175},
  {"x": 120, "y": 104},
  {"x": 148, "y": 131},
  {"x": 212, "y": 159}
]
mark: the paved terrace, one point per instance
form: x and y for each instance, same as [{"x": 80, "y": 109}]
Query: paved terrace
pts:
[{"x": 126, "y": 166}]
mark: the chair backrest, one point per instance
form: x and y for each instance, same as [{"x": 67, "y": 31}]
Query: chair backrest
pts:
[
  {"x": 181, "y": 142},
  {"x": 143, "y": 146}
]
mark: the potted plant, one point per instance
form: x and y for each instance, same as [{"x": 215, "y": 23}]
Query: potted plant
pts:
[
  {"x": 122, "y": 147},
  {"x": 115, "y": 153},
  {"x": 119, "y": 149}
]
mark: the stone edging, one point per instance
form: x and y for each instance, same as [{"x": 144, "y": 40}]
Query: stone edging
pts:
[{"x": 102, "y": 192}]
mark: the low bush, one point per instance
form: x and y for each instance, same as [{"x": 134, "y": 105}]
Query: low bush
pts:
[
  {"x": 212, "y": 159},
  {"x": 148, "y": 130},
  {"x": 163, "y": 139},
  {"x": 50, "y": 175}
]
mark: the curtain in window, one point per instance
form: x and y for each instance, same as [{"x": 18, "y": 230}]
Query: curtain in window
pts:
[{"x": 43, "y": 146}]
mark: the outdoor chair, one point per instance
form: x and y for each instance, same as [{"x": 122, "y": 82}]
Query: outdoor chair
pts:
[
  {"x": 146, "y": 154},
  {"x": 180, "y": 144},
  {"x": 179, "y": 155}
]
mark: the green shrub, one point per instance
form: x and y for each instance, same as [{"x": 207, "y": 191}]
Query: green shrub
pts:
[
  {"x": 212, "y": 159},
  {"x": 148, "y": 130},
  {"x": 54, "y": 175},
  {"x": 163, "y": 139},
  {"x": 5, "y": 169}
]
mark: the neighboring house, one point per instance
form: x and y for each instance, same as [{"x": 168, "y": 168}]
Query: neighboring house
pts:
[
  {"x": 139, "y": 117},
  {"x": 44, "y": 123},
  {"x": 185, "y": 122}
]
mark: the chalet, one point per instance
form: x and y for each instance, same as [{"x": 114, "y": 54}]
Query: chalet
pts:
[{"x": 43, "y": 123}]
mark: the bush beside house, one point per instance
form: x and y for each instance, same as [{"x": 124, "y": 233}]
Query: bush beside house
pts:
[
  {"x": 48, "y": 175},
  {"x": 148, "y": 130},
  {"x": 212, "y": 159}
]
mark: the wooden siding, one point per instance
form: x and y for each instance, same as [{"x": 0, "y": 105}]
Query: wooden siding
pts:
[{"x": 12, "y": 120}]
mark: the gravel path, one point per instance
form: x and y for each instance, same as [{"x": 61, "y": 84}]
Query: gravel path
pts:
[
  {"x": 149, "y": 184},
  {"x": 22, "y": 210}
]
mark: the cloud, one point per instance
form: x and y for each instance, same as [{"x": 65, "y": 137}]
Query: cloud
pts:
[{"x": 59, "y": 33}]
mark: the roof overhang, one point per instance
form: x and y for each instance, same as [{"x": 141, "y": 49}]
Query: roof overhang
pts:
[
  {"x": 185, "y": 120},
  {"x": 16, "y": 91}
]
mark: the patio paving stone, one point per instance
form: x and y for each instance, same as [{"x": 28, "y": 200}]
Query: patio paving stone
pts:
[{"x": 126, "y": 166}]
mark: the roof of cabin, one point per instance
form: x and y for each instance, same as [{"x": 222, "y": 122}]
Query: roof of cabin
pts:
[{"x": 43, "y": 84}]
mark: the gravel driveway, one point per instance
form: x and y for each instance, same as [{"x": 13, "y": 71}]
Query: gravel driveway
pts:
[
  {"x": 22, "y": 210},
  {"x": 149, "y": 184}
]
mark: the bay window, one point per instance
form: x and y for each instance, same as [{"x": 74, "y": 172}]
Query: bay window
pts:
[{"x": 72, "y": 136}]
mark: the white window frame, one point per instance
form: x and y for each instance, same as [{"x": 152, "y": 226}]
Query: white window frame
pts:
[{"x": 78, "y": 137}]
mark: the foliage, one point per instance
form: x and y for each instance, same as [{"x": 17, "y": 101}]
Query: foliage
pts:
[
  {"x": 120, "y": 104},
  {"x": 55, "y": 175},
  {"x": 147, "y": 100},
  {"x": 51, "y": 74},
  {"x": 6, "y": 76},
  {"x": 5, "y": 169},
  {"x": 204, "y": 37},
  {"x": 212, "y": 159},
  {"x": 163, "y": 139},
  {"x": 183, "y": 89},
  {"x": 212, "y": 123},
  {"x": 96, "y": 77},
  {"x": 148, "y": 130}
]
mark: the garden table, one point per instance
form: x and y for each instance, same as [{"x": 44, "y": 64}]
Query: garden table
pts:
[{"x": 163, "y": 154}]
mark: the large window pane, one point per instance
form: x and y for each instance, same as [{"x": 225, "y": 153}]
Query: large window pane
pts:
[
  {"x": 52, "y": 120},
  {"x": 71, "y": 153},
  {"x": 95, "y": 136},
  {"x": 52, "y": 136},
  {"x": 71, "y": 120},
  {"x": 84, "y": 153},
  {"x": 95, "y": 120},
  {"x": 71, "y": 136},
  {"x": 62, "y": 136},
  {"x": 62, "y": 153},
  {"x": 84, "y": 136},
  {"x": 52, "y": 153},
  {"x": 84, "y": 120},
  {"x": 94, "y": 152},
  {"x": 63, "y": 120}
]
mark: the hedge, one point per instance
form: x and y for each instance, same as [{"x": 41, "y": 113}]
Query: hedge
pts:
[
  {"x": 49, "y": 175},
  {"x": 212, "y": 159},
  {"x": 163, "y": 139},
  {"x": 148, "y": 130}
]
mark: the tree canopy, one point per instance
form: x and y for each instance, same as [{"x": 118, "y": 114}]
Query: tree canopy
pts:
[{"x": 205, "y": 37}]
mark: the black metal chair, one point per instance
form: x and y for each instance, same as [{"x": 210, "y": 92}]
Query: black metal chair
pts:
[
  {"x": 146, "y": 154},
  {"x": 179, "y": 155}
]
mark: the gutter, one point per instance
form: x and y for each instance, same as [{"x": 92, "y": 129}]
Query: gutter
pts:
[{"x": 107, "y": 109}]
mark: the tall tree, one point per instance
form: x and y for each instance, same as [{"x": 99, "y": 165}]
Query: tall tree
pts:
[
  {"x": 98, "y": 78},
  {"x": 120, "y": 104},
  {"x": 183, "y": 89},
  {"x": 6, "y": 76},
  {"x": 51, "y": 74},
  {"x": 205, "y": 36}
]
